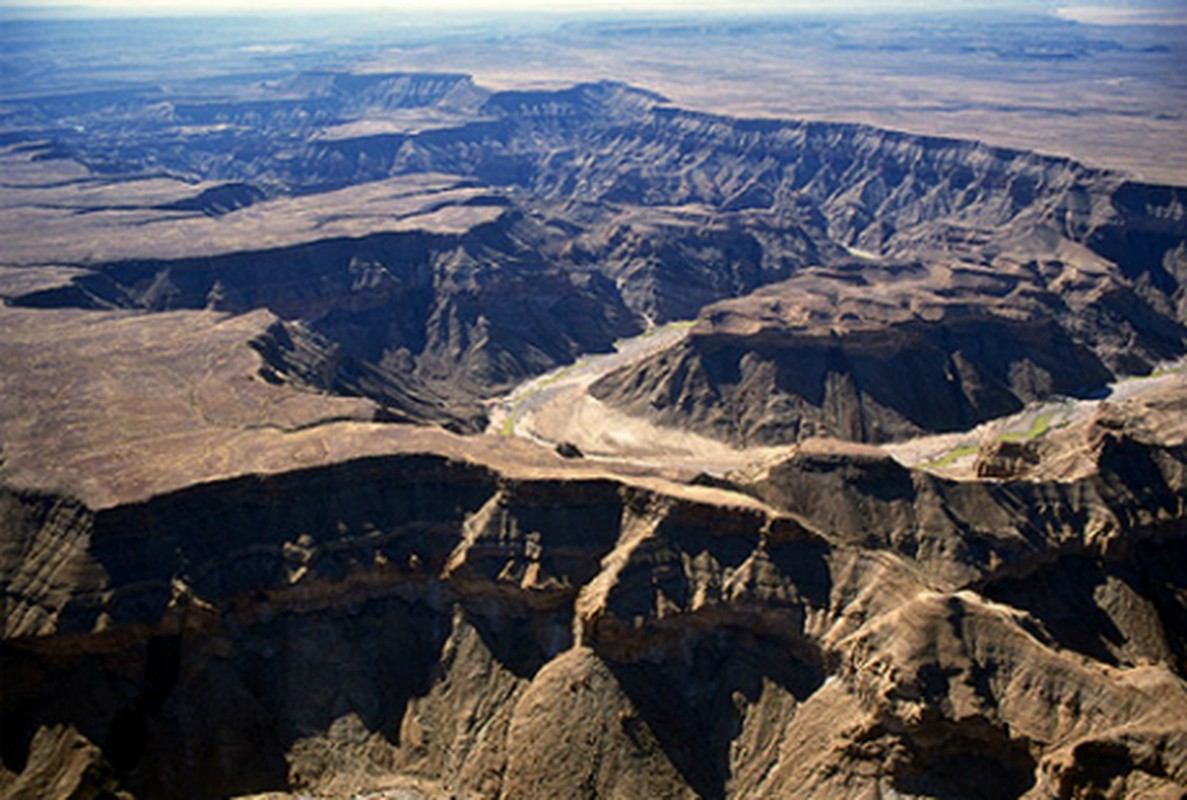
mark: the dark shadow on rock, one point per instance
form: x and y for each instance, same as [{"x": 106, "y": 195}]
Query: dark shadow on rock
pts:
[
  {"x": 971, "y": 759},
  {"x": 522, "y": 640},
  {"x": 213, "y": 714},
  {"x": 694, "y": 706},
  {"x": 1164, "y": 580},
  {"x": 806, "y": 564},
  {"x": 1062, "y": 597}
]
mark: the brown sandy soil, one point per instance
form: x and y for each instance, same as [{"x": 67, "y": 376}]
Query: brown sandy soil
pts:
[{"x": 179, "y": 401}]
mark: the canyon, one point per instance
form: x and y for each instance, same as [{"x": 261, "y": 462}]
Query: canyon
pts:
[{"x": 271, "y": 524}]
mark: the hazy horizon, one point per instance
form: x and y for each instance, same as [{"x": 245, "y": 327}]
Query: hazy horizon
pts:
[
  {"x": 1146, "y": 12},
  {"x": 58, "y": 8}
]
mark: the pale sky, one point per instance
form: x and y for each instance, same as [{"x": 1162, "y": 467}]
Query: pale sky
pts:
[
  {"x": 1095, "y": 11},
  {"x": 498, "y": 6}
]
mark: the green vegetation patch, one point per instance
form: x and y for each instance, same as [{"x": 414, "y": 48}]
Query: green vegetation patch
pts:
[
  {"x": 1038, "y": 428},
  {"x": 952, "y": 455}
]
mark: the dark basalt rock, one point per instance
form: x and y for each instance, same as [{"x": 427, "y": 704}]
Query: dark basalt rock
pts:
[{"x": 569, "y": 450}]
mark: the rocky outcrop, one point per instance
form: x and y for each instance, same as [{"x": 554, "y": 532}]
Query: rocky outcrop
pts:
[
  {"x": 1007, "y": 459},
  {"x": 219, "y": 200},
  {"x": 418, "y": 322},
  {"x": 431, "y": 624},
  {"x": 297, "y": 355},
  {"x": 214, "y": 586},
  {"x": 607, "y": 209},
  {"x": 865, "y": 354},
  {"x": 882, "y": 387}
]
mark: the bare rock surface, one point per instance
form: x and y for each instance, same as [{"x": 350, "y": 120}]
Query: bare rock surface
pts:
[
  {"x": 604, "y": 209},
  {"x": 245, "y": 548},
  {"x": 478, "y": 617}
]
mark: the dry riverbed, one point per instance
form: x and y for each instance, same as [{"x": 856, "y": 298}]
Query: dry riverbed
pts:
[{"x": 557, "y": 408}]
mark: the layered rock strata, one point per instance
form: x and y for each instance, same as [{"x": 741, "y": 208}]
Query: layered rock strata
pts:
[
  {"x": 603, "y": 209},
  {"x": 837, "y": 625}
]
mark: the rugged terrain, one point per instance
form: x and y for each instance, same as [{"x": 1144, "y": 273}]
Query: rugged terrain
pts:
[
  {"x": 491, "y": 621},
  {"x": 604, "y": 211},
  {"x": 254, "y": 540}
]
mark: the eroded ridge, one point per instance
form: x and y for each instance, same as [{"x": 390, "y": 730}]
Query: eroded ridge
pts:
[
  {"x": 246, "y": 547},
  {"x": 864, "y": 273},
  {"x": 429, "y": 622}
]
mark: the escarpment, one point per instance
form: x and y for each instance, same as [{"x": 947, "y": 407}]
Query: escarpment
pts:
[
  {"x": 874, "y": 353},
  {"x": 869, "y": 386},
  {"x": 432, "y": 623},
  {"x": 603, "y": 210},
  {"x": 239, "y": 554}
]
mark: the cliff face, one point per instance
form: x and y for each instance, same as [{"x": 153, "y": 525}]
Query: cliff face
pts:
[
  {"x": 876, "y": 354},
  {"x": 886, "y": 385},
  {"x": 213, "y": 585},
  {"x": 433, "y": 624},
  {"x": 600, "y": 209},
  {"x": 419, "y": 322},
  {"x": 1087, "y": 270}
]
